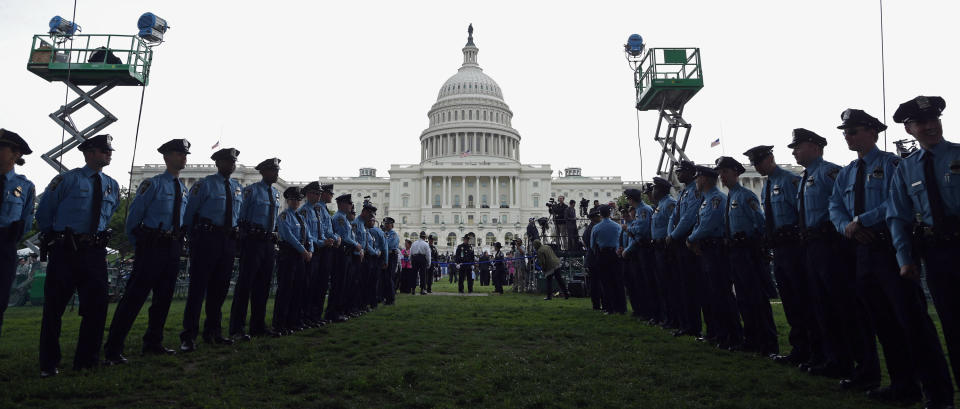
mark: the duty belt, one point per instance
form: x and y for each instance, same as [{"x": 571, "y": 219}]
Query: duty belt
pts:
[
  {"x": 786, "y": 234},
  {"x": 72, "y": 241},
  {"x": 711, "y": 242},
  {"x": 823, "y": 231},
  {"x": 933, "y": 236},
  {"x": 256, "y": 233},
  {"x": 208, "y": 226},
  {"x": 660, "y": 244},
  {"x": 147, "y": 234},
  {"x": 741, "y": 239}
]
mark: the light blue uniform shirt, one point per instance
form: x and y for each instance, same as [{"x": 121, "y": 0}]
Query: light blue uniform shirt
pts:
[
  {"x": 255, "y": 208},
  {"x": 153, "y": 205},
  {"x": 380, "y": 242},
  {"x": 879, "y": 168},
  {"x": 309, "y": 216},
  {"x": 661, "y": 217},
  {"x": 712, "y": 213},
  {"x": 685, "y": 213},
  {"x": 326, "y": 223},
  {"x": 908, "y": 194},
  {"x": 393, "y": 240},
  {"x": 208, "y": 200},
  {"x": 18, "y": 198},
  {"x": 819, "y": 178},
  {"x": 605, "y": 235},
  {"x": 67, "y": 200},
  {"x": 289, "y": 230},
  {"x": 745, "y": 213},
  {"x": 343, "y": 228},
  {"x": 782, "y": 187}
]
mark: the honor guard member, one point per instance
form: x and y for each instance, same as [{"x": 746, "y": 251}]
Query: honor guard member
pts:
[
  {"x": 636, "y": 255},
  {"x": 749, "y": 269},
  {"x": 499, "y": 268},
  {"x": 73, "y": 216},
  {"x": 924, "y": 213},
  {"x": 896, "y": 306},
  {"x": 706, "y": 240},
  {"x": 343, "y": 260},
  {"x": 361, "y": 280},
  {"x": 387, "y": 291},
  {"x": 325, "y": 250},
  {"x": 211, "y": 221},
  {"x": 826, "y": 258},
  {"x": 295, "y": 253},
  {"x": 464, "y": 257},
  {"x": 593, "y": 281},
  {"x": 257, "y": 221},
  {"x": 16, "y": 215},
  {"x": 604, "y": 241},
  {"x": 153, "y": 228},
  {"x": 782, "y": 236},
  {"x": 317, "y": 273},
  {"x": 434, "y": 267},
  {"x": 628, "y": 267},
  {"x": 668, "y": 285},
  {"x": 685, "y": 264},
  {"x": 378, "y": 262}
]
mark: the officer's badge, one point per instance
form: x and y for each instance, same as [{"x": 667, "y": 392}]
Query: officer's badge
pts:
[
  {"x": 283, "y": 216},
  {"x": 18, "y": 191},
  {"x": 734, "y": 204},
  {"x": 776, "y": 189},
  {"x": 643, "y": 215},
  {"x": 247, "y": 193},
  {"x": 877, "y": 173},
  {"x": 955, "y": 167},
  {"x": 754, "y": 204},
  {"x": 715, "y": 202},
  {"x": 53, "y": 183},
  {"x": 703, "y": 205},
  {"x": 833, "y": 173},
  {"x": 143, "y": 186},
  {"x": 236, "y": 192},
  {"x": 811, "y": 180},
  {"x": 109, "y": 190}
]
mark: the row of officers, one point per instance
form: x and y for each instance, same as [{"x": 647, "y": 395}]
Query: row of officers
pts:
[
  {"x": 846, "y": 245},
  {"x": 345, "y": 255}
]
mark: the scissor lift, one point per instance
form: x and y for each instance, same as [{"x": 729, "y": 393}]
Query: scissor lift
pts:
[
  {"x": 100, "y": 61},
  {"x": 665, "y": 80}
]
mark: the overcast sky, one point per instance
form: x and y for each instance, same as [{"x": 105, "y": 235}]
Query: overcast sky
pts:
[{"x": 330, "y": 87}]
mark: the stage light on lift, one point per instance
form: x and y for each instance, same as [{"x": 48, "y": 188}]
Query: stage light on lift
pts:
[
  {"x": 152, "y": 27},
  {"x": 634, "y": 46},
  {"x": 60, "y": 26}
]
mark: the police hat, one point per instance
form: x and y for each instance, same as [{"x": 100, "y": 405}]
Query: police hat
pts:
[
  {"x": 661, "y": 182},
  {"x": 423, "y": 235},
  {"x": 225, "y": 154},
  {"x": 530, "y": 220},
  {"x": 497, "y": 245},
  {"x": 293, "y": 192},
  {"x": 175, "y": 145},
  {"x": 595, "y": 212},
  {"x": 345, "y": 198},
  {"x": 104, "y": 142},
  {"x": 269, "y": 164},
  {"x": 634, "y": 194},
  {"x": 686, "y": 165},
  {"x": 466, "y": 237},
  {"x": 919, "y": 108},
  {"x": 13, "y": 140},
  {"x": 801, "y": 135},
  {"x": 327, "y": 188},
  {"x": 370, "y": 208},
  {"x": 855, "y": 117},
  {"x": 758, "y": 153},
  {"x": 706, "y": 171},
  {"x": 647, "y": 187},
  {"x": 312, "y": 187},
  {"x": 726, "y": 162},
  {"x": 388, "y": 220}
]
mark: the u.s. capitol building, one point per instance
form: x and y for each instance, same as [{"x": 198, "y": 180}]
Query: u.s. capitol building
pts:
[{"x": 469, "y": 178}]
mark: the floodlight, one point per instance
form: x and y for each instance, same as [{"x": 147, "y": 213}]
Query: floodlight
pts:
[
  {"x": 60, "y": 26},
  {"x": 152, "y": 27},
  {"x": 634, "y": 45}
]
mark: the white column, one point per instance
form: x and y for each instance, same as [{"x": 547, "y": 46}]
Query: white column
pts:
[
  {"x": 496, "y": 192},
  {"x": 423, "y": 192},
  {"x": 430, "y": 191},
  {"x": 463, "y": 191},
  {"x": 443, "y": 195},
  {"x": 476, "y": 199},
  {"x": 511, "y": 192}
]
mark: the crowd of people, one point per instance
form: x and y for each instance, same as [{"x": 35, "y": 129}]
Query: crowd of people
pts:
[{"x": 844, "y": 244}]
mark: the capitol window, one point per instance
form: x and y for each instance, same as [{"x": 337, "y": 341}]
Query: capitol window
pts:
[
  {"x": 536, "y": 201},
  {"x": 406, "y": 201},
  {"x": 452, "y": 239},
  {"x": 536, "y": 183},
  {"x": 456, "y": 200},
  {"x": 608, "y": 194},
  {"x": 483, "y": 219},
  {"x": 456, "y": 219},
  {"x": 596, "y": 194},
  {"x": 436, "y": 219},
  {"x": 404, "y": 219}
]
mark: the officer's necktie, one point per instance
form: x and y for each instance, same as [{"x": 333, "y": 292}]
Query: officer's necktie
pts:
[
  {"x": 177, "y": 201},
  {"x": 273, "y": 209},
  {"x": 726, "y": 216},
  {"x": 303, "y": 228},
  {"x": 801, "y": 211},
  {"x": 228, "y": 214},
  {"x": 937, "y": 211},
  {"x": 768, "y": 210},
  {"x": 97, "y": 204},
  {"x": 676, "y": 210},
  {"x": 3, "y": 187},
  {"x": 858, "y": 193}
]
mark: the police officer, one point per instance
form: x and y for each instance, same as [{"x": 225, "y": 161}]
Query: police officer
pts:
[
  {"x": 499, "y": 268},
  {"x": 826, "y": 257},
  {"x": 73, "y": 216},
  {"x": 639, "y": 254},
  {"x": 16, "y": 215},
  {"x": 782, "y": 236},
  {"x": 324, "y": 248},
  {"x": 296, "y": 248},
  {"x": 153, "y": 228},
  {"x": 685, "y": 264},
  {"x": 257, "y": 221},
  {"x": 668, "y": 285},
  {"x": 593, "y": 281},
  {"x": 361, "y": 280},
  {"x": 343, "y": 260},
  {"x": 378, "y": 262},
  {"x": 706, "y": 241},
  {"x": 387, "y": 292},
  {"x": 628, "y": 266},
  {"x": 604, "y": 242},
  {"x": 462, "y": 256},
  {"x": 924, "y": 196},
  {"x": 748, "y": 268},
  {"x": 897, "y": 307},
  {"x": 211, "y": 221}
]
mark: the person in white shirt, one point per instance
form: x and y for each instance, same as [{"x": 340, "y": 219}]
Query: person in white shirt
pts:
[{"x": 420, "y": 256}]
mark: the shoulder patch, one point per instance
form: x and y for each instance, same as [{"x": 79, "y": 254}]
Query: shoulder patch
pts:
[
  {"x": 715, "y": 202},
  {"x": 143, "y": 186},
  {"x": 643, "y": 214},
  {"x": 832, "y": 173},
  {"x": 283, "y": 216},
  {"x": 754, "y": 204},
  {"x": 55, "y": 182}
]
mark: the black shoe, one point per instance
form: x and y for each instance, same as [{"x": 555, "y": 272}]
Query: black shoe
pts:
[
  {"x": 188, "y": 346},
  {"x": 547, "y": 298},
  {"x": 47, "y": 373},
  {"x": 115, "y": 359},
  {"x": 340, "y": 318},
  {"x": 157, "y": 349},
  {"x": 789, "y": 359},
  {"x": 859, "y": 384},
  {"x": 429, "y": 291},
  {"x": 894, "y": 395},
  {"x": 218, "y": 340},
  {"x": 240, "y": 337}
]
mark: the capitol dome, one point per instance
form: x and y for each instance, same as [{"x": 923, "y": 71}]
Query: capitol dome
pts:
[{"x": 470, "y": 117}]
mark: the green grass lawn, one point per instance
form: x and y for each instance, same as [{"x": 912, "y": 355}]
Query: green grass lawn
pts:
[{"x": 510, "y": 351}]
